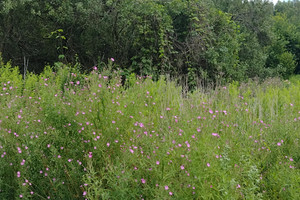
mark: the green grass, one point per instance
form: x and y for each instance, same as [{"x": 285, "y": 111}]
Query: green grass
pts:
[{"x": 67, "y": 135}]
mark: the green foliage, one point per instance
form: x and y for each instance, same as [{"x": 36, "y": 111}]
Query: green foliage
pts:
[
  {"x": 223, "y": 55},
  {"x": 289, "y": 33},
  {"x": 288, "y": 63},
  {"x": 74, "y": 136},
  {"x": 11, "y": 77},
  {"x": 211, "y": 41}
]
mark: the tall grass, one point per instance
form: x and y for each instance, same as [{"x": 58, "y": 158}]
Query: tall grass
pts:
[{"x": 68, "y": 135}]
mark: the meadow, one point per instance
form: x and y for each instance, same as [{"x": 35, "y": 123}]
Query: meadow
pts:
[{"x": 71, "y": 135}]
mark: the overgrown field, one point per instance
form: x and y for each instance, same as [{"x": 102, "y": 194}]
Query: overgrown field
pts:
[{"x": 68, "y": 135}]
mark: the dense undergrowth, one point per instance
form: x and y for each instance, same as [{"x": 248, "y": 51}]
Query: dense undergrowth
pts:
[{"x": 68, "y": 135}]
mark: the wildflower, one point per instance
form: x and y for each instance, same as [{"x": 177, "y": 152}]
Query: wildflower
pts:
[
  {"x": 157, "y": 162},
  {"x": 143, "y": 181},
  {"x": 90, "y": 155},
  {"x": 278, "y": 144},
  {"x": 112, "y": 59},
  {"x": 141, "y": 125},
  {"x": 208, "y": 165},
  {"x": 188, "y": 145},
  {"x": 23, "y": 162},
  {"x": 215, "y": 134},
  {"x": 170, "y": 193},
  {"x": 182, "y": 167},
  {"x": 166, "y": 187},
  {"x": 238, "y": 186}
]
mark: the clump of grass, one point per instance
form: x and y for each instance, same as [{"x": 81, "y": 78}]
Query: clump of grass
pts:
[{"x": 68, "y": 135}]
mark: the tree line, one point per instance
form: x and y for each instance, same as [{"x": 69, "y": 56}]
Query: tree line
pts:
[{"x": 212, "y": 40}]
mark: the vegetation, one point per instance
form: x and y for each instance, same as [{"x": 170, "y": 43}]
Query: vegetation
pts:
[
  {"x": 68, "y": 135},
  {"x": 149, "y": 99},
  {"x": 197, "y": 40}
]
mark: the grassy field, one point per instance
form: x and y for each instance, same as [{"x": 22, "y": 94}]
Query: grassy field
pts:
[{"x": 67, "y": 135}]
